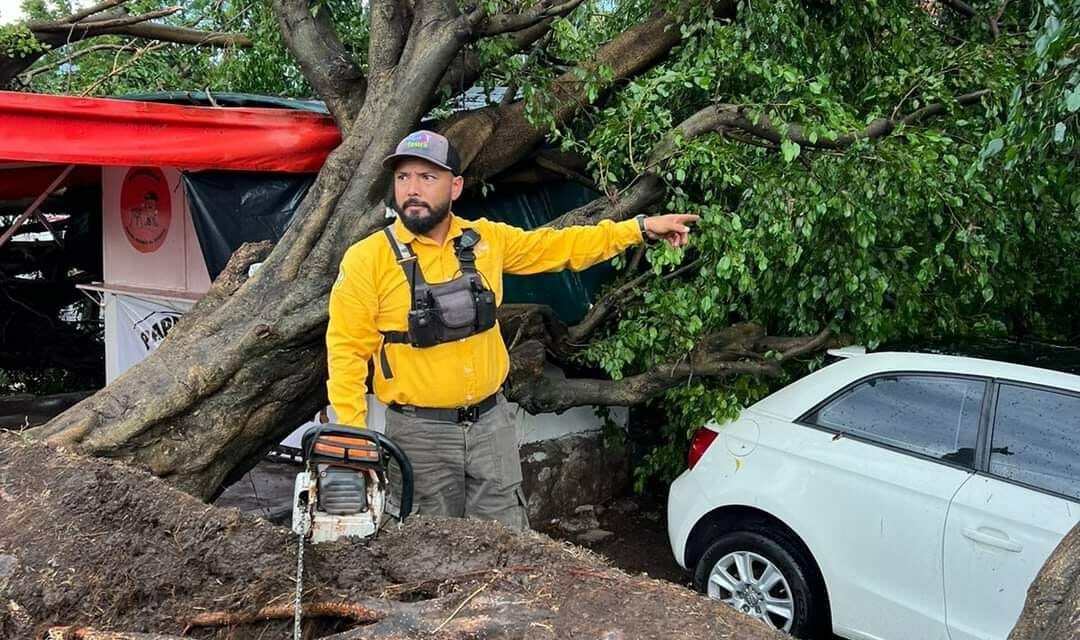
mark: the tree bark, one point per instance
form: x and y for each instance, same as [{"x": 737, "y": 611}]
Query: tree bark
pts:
[{"x": 1052, "y": 609}]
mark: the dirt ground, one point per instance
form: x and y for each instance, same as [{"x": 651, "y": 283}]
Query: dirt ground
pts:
[
  {"x": 93, "y": 543},
  {"x": 638, "y": 543}
]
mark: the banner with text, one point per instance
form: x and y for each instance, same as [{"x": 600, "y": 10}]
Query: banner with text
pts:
[{"x": 143, "y": 324}]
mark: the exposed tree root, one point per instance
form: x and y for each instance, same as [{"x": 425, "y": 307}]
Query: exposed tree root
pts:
[
  {"x": 87, "y": 633},
  {"x": 354, "y": 612}
]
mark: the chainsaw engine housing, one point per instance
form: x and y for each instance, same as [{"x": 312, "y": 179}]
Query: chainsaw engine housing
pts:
[{"x": 342, "y": 492}]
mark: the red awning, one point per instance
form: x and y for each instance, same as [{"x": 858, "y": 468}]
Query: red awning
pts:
[{"x": 127, "y": 133}]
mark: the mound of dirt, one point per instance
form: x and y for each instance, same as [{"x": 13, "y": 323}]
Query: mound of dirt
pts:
[{"x": 92, "y": 543}]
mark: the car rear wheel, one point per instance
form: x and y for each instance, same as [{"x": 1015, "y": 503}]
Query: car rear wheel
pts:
[{"x": 767, "y": 576}]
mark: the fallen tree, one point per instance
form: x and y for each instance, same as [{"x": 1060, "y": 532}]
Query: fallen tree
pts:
[{"x": 248, "y": 361}]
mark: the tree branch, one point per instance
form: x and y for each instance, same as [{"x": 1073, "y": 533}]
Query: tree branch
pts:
[
  {"x": 175, "y": 35},
  {"x": 960, "y": 7},
  {"x": 730, "y": 116},
  {"x": 992, "y": 21},
  {"x": 648, "y": 188},
  {"x": 390, "y": 22},
  {"x": 95, "y": 9},
  {"x": 507, "y": 136},
  {"x": 467, "y": 67},
  {"x": 603, "y": 307},
  {"x": 94, "y": 27},
  {"x": 738, "y": 349},
  {"x": 324, "y": 60},
  {"x": 28, "y": 75},
  {"x": 98, "y": 20},
  {"x": 483, "y": 26}
]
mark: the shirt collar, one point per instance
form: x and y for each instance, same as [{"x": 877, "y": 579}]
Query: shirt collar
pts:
[{"x": 405, "y": 236}]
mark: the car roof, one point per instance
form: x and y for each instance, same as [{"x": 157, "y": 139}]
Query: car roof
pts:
[
  {"x": 881, "y": 362},
  {"x": 805, "y": 393},
  {"x": 1033, "y": 353}
]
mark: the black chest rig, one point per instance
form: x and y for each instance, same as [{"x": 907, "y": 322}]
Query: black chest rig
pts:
[{"x": 444, "y": 312}]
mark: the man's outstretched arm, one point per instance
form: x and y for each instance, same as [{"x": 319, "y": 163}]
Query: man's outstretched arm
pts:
[{"x": 577, "y": 248}]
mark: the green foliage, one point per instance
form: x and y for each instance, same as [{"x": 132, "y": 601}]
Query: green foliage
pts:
[
  {"x": 687, "y": 408},
  {"x": 16, "y": 41},
  {"x": 927, "y": 231},
  {"x": 135, "y": 66},
  {"x": 1036, "y": 142}
]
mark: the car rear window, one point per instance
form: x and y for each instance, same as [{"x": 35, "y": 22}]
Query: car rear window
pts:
[
  {"x": 1036, "y": 439},
  {"x": 934, "y": 416}
]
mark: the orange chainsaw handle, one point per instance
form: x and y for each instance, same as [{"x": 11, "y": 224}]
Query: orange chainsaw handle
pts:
[{"x": 334, "y": 441}]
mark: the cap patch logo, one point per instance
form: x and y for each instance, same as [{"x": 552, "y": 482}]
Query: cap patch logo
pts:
[{"x": 418, "y": 141}]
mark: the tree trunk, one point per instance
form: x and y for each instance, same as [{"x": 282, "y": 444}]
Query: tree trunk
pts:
[{"x": 1052, "y": 610}]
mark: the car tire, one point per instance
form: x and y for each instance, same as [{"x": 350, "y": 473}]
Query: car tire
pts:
[{"x": 798, "y": 591}]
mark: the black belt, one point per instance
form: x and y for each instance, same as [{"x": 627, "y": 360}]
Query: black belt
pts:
[{"x": 459, "y": 415}]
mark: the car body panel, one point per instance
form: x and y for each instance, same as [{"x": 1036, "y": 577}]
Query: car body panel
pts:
[
  {"x": 871, "y": 497},
  {"x": 1001, "y": 534}
]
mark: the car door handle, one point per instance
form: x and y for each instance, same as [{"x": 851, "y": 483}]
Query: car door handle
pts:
[{"x": 992, "y": 537}]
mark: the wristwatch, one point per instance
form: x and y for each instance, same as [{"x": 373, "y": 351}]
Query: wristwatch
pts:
[{"x": 641, "y": 227}]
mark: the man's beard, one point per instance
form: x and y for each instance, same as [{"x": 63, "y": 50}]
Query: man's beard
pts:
[{"x": 420, "y": 224}]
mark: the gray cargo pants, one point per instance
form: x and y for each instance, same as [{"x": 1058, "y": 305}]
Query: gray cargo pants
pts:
[{"x": 461, "y": 470}]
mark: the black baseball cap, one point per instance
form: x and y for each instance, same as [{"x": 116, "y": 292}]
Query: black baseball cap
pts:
[{"x": 426, "y": 145}]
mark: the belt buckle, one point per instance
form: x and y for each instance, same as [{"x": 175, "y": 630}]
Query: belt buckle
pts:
[{"x": 468, "y": 415}]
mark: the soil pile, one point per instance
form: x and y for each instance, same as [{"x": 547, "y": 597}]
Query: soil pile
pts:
[{"x": 87, "y": 542}]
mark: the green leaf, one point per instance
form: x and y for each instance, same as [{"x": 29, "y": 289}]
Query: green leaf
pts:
[
  {"x": 1072, "y": 103},
  {"x": 1059, "y": 132},
  {"x": 790, "y": 149},
  {"x": 991, "y": 149}
]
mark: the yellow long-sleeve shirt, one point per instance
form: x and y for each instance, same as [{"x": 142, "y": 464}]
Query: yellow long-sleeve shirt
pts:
[{"x": 371, "y": 296}]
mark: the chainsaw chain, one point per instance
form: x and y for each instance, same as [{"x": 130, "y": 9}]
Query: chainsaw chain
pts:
[{"x": 305, "y": 529}]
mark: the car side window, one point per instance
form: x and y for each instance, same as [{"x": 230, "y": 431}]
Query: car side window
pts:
[
  {"x": 1036, "y": 439},
  {"x": 935, "y": 416}
]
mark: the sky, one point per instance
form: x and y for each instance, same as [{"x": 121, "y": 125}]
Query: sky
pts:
[{"x": 9, "y": 11}]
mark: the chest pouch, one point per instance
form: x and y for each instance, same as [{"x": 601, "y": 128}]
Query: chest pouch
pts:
[{"x": 448, "y": 311}]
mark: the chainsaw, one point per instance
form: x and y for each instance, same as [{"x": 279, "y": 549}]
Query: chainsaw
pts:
[{"x": 342, "y": 491}]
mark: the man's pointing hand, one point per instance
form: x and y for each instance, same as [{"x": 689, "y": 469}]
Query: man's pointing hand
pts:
[{"x": 672, "y": 228}]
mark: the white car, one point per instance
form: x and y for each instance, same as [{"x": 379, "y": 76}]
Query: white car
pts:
[{"x": 887, "y": 496}]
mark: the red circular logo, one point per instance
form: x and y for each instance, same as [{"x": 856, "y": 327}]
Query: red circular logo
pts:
[{"x": 145, "y": 208}]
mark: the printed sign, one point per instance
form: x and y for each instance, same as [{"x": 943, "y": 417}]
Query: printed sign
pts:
[
  {"x": 145, "y": 208},
  {"x": 144, "y": 323}
]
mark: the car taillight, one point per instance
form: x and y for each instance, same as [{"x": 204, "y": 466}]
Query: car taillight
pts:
[{"x": 698, "y": 444}]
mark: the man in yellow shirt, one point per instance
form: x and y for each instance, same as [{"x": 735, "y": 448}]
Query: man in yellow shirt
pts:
[{"x": 419, "y": 298}]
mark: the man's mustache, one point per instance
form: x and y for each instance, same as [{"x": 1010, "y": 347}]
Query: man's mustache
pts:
[{"x": 415, "y": 202}]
